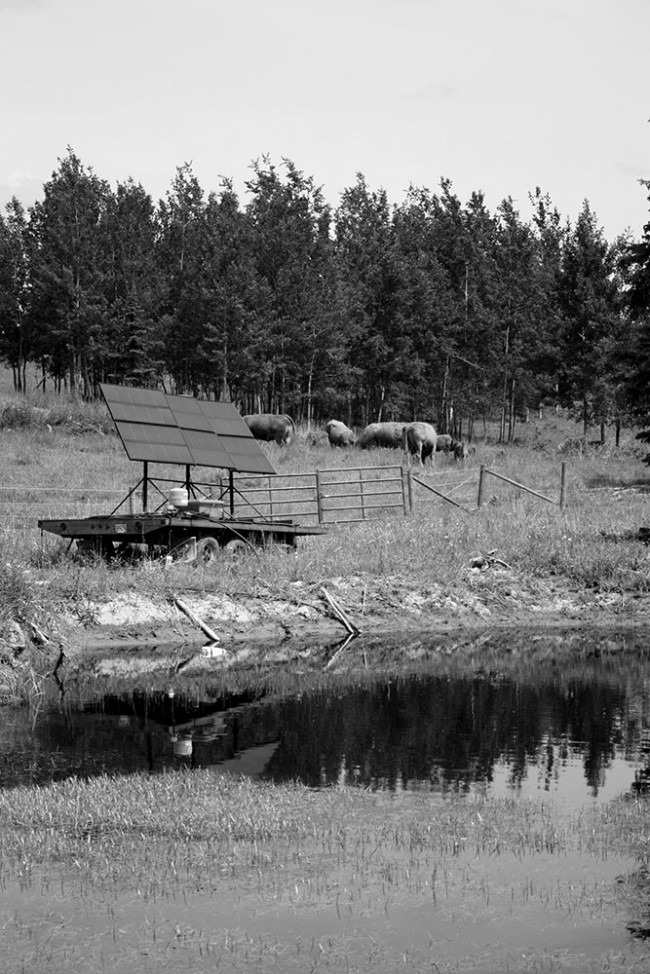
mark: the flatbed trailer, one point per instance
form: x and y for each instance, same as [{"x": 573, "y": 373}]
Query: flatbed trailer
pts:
[
  {"x": 180, "y": 430},
  {"x": 174, "y": 533}
]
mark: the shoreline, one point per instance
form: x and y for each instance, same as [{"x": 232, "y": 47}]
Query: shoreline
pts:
[
  {"x": 130, "y": 635},
  {"x": 380, "y": 610}
]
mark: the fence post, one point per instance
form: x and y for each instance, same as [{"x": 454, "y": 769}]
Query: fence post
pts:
[
  {"x": 319, "y": 507},
  {"x": 409, "y": 488},
  {"x": 361, "y": 495},
  {"x": 563, "y": 486},
  {"x": 481, "y": 477}
]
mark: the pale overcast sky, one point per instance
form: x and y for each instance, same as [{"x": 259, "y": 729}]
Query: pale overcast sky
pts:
[{"x": 496, "y": 95}]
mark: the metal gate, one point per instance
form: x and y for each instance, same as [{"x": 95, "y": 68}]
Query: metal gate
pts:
[{"x": 331, "y": 496}]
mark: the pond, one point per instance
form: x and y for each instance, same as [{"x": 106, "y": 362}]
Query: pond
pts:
[
  {"x": 561, "y": 719},
  {"x": 572, "y": 731}
]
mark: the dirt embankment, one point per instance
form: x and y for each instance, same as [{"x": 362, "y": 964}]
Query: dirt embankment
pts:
[{"x": 248, "y": 627}]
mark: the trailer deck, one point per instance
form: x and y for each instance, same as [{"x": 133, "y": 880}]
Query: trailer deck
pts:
[{"x": 174, "y": 532}]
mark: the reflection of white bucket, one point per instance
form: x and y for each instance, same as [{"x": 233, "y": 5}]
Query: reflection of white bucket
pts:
[
  {"x": 178, "y": 497},
  {"x": 183, "y": 747}
]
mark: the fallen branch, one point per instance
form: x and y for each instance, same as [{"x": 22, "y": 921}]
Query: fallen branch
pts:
[
  {"x": 340, "y": 614},
  {"x": 195, "y": 619}
]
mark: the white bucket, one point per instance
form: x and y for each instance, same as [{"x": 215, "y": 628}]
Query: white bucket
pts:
[
  {"x": 183, "y": 747},
  {"x": 178, "y": 497}
]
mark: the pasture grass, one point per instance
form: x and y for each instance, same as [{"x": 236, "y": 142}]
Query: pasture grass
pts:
[{"x": 78, "y": 467}]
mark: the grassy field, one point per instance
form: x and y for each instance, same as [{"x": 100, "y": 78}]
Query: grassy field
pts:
[{"x": 62, "y": 459}]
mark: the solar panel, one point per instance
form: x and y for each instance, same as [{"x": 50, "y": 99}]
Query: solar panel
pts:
[{"x": 161, "y": 428}]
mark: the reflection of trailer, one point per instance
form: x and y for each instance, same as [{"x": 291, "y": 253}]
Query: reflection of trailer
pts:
[{"x": 177, "y": 429}]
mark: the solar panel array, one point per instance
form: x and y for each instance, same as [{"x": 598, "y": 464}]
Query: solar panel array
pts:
[{"x": 179, "y": 429}]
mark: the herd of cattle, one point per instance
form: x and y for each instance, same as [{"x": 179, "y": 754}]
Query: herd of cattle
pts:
[{"x": 418, "y": 440}]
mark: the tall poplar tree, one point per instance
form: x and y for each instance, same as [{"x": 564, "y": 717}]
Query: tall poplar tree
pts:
[
  {"x": 292, "y": 251},
  {"x": 133, "y": 288},
  {"x": 522, "y": 318},
  {"x": 425, "y": 308},
  {"x": 15, "y": 347},
  {"x": 180, "y": 256},
  {"x": 465, "y": 250},
  {"x": 69, "y": 256},
  {"x": 368, "y": 269},
  {"x": 590, "y": 308},
  {"x": 237, "y": 303},
  {"x": 633, "y": 350}
]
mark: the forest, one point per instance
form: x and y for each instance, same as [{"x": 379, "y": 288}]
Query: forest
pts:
[{"x": 430, "y": 309}]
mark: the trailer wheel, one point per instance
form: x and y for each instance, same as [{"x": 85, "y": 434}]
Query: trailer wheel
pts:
[
  {"x": 207, "y": 551},
  {"x": 236, "y": 547}
]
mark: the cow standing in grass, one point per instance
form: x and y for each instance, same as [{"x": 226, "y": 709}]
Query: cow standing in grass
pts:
[
  {"x": 339, "y": 434},
  {"x": 381, "y": 434},
  {"x": 419, "y": 441},
  {"x": 277, "y": 428}
]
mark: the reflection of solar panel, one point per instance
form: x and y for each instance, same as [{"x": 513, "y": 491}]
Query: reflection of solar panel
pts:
[{"x": 178, "y": 429}]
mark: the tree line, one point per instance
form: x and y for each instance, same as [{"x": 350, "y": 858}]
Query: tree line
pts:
[{"x": 431, "y": 309}]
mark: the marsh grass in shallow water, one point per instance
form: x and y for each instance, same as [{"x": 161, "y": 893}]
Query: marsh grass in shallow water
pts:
[{"x": 201, "y": 871}]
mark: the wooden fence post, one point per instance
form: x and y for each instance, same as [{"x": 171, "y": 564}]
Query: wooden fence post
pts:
[
  {"x": 319, "y": 506},
  {"x": 563, "y": 486},
  {"x": 361, "y": 495},
  {"x": 481, "y": 477}
]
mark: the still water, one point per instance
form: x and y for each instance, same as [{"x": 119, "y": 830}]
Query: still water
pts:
[
  {"x": 521, "y": 726},
  {"x": 562, "y": 719}
]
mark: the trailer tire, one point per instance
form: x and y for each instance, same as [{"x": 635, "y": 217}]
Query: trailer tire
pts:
[
  {"x": 207, "y": 551},
  {"x": 236, "y": 547}
]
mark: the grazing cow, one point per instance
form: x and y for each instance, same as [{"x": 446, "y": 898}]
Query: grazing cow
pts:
[
  {"x": 461, "y": 451},
  {"x": 419, "y": 440},
  {"x": 270, "y": 426},
  {"x": 444, "y": 443},
  {"x": 339, "y": 434},
  {"x": 381, "y": 434}
]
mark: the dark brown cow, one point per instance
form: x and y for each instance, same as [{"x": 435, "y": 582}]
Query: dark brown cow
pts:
[{"x": 278, "y": 428}]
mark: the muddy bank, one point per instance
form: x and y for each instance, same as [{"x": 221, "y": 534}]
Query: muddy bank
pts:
[
  {"x": 369, "y": 605},
  {"x": 283, "y": 622}
]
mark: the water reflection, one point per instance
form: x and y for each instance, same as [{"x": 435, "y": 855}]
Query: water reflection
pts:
[
  {"x": 575, "y": 733},
  {"x": 456, "y": 734}
]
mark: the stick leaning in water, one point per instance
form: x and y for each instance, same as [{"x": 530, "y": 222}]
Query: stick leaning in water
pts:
[
  {"x": 195, "y": 619},
  {"x": 340, "y": 614}
]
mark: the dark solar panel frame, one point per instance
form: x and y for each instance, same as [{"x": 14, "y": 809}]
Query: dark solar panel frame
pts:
[{"x": 160, "y": 428}]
